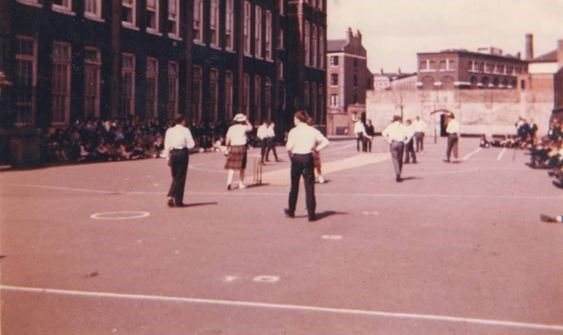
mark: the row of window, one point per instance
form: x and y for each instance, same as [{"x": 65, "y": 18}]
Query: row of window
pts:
[
  {"x": 473, "y": 66},
  {"x": 25, "y": 85},
  {"x": 263, "y": 22},
  {"x": 314, "y": 38}
]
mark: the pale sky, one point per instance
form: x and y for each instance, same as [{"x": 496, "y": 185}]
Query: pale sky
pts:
[{"x": 393, "y": 31}]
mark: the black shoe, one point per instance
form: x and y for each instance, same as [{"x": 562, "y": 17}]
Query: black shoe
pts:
[
  {"x": 446, "y": 160},
  {"x": 312, "y": 217},
  {"x": 288, "y": 213},
  {"x": 398, "y": 179},
  {"x": 414, "y": 162},
  {"x": 180, "y": 204},
  {"x": 170, "y": 203},
  {"x": 229, "y": 187},
  {"x": 547, "y": 218}
]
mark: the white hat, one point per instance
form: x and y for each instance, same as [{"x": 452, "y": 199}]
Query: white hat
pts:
[{"x": 239, "y": 118}]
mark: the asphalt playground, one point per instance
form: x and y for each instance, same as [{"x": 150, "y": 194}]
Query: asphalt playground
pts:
[{"x": 454, "y": 249}]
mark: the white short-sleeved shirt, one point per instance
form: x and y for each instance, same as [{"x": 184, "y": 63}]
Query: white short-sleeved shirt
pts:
[
  {"x": 303, "y": 139},
  {"x": 236, "y": 135}
]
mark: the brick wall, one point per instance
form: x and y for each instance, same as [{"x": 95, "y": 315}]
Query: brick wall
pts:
[{"x": 479, "y": 111}]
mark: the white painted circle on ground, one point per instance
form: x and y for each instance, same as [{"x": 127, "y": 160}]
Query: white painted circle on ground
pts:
[
  {"x": 370, "y": 213},
  {"x": 266, "y": 279},
  {"x": 332, "y": 237},
  {"x": 120, "y": 215}
]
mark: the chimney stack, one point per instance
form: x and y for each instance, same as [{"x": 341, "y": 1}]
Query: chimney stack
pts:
[
  {"x": 359, "y": 36},
  {"x": 350, "y": 35},
  {"x": 529, "y": 46}
]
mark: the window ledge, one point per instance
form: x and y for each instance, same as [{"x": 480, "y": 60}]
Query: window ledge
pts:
[
  {"x": 93, "y": 17},
  {"x": 62, "y": 10},
  {"x": 174, "y": 37},
  {"x": 153, "y": 32},
  {"x": 129, "y": 26},
  {"x": 30, "y": 3}
]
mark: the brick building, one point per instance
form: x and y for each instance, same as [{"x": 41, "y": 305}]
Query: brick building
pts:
[
  {"x": 348, "y": 79},
  {"x": 208, "y": 59},
  {"x": 488, "y": 68}
]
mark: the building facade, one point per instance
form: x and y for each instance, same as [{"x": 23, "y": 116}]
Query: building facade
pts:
[
  {"x": 487, "y": 68},
  {"x": 348, "y": 79},
  {"x": 207, "y": 59}
]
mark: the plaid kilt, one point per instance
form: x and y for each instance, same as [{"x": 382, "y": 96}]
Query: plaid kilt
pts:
[
  {"x": 317, "y": 159},
  {"x": 236, "y": 159}
]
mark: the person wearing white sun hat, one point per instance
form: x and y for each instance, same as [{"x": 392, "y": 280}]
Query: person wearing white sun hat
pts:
[{"x": 236, "y": 149}]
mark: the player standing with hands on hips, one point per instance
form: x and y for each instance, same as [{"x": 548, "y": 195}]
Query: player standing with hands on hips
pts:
[
  {"x": 302, "y": 141},
  {"x": 177, "y": 142}
]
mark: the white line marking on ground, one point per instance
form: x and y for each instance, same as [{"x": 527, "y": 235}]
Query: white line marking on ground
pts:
[
  {"x": 229, "y": 279},
  {"x": 501, "y": 154},
  {"x": 332, "y": 237},
  {"x": 301, "y": 308},
  {"x": 284, "y": 194},
  {"x": 370, "y": 213},
  {"x": 120, "y": 215},
  {"x": 466, "y": 157},
  {"x": 266, "y": 279}
]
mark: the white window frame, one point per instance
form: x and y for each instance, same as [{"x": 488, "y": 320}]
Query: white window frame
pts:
[
  {"x": 258, "y": 48},
  {"x": 321, "y": 54},
  {"x": 21, "y": 121},
  {"x": 268, "y": 97},
  {"x": 268, "y": 37},
  {"x": 34, "y": 3},
  {"x": 229, "y": 94},
  {"x": 246, "y": 94},
  {"x": 281, "y": 70},
  {"x": 156, "y": 11},
  {"x": 131, "y": 5},
  {"x": 281, "y": 7},
  {"x": 173, "y": 88},
  {"x": 65, "y": 8},
  {"x": 247, "y": 24},
  {"x": 280, "y": 39},
  {"x": 214, "y": 24},
  {"x": 198, "y": 21},
  {"x": 197, "y": 81},
  {"x": 229, "y": 25},
  {"x": 131, "y": 72},
  {"x": 307, "y": 43},
  {"x": 334, "y": 100},
  {"x": 151, "y": 74},
  {"x": 97, "y": 65},
  {"x": 314, "y": 45},
  {"x": 96, "y": 15},
  {"x": 214, "y": 93},
  {"x": 174, "y": 17},
  {"x": 66, "y": 62},
  {"x": 257, "y": 98}
]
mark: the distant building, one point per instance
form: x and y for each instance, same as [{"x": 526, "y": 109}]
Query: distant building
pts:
[
  {"x": 348, "y": 79},
  {"x": 488, "y": 68},
  {"x": 558, "y": 83},
  {"x": 393, "y": 81},
  {"x": 207, "y": 59}
]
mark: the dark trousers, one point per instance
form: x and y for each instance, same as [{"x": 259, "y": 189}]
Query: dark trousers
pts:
[
  {"x": 263, "y": 149},
  {"x": 360, "y": 142},
  {"x": 179, "y": 166},
  {"x": 410, "y": 152},
  {"x": 452, "y": 142},
  {"x": 419, "y": 138},
  {"x": 368, "y": 141},
  {"x": 302, "y": 165},
  {"x": 397, "y": 149},
  {"x": 271, "y": 143}
]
